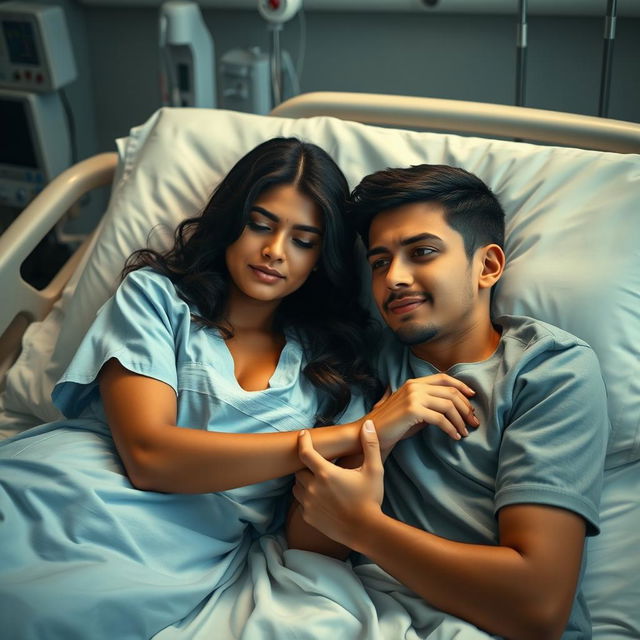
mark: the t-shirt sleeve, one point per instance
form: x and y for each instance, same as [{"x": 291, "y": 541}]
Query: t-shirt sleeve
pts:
[
  {"x": 136, "y": 326},
  {"x": 356, "y": 408},
  {"x": 553, "y": 448},
  {"x": 387, "y": 356}
]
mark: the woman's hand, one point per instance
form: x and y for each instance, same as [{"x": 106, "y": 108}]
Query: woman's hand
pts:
[{"x": 438, "y": 399}]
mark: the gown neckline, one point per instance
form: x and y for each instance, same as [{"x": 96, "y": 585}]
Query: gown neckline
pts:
[{"x": 279, "y": 376}]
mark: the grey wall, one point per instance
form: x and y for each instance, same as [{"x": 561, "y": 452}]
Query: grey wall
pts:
[{"x": 445, "y": 56}]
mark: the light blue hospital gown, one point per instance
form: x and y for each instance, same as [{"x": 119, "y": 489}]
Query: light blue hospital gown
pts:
[{"x": 83, "y": 554}]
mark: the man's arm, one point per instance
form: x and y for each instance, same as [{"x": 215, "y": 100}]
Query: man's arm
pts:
[
  {"x": 440, "y": 398},
  {"x": 301, "y": 535},
  {"x": 522, "y": 588}
]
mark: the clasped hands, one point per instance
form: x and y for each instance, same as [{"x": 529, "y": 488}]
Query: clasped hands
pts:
[{"x": 340, "y": 502}]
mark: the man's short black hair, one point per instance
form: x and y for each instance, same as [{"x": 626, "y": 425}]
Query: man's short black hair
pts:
[{"x": 470, "y": 207}]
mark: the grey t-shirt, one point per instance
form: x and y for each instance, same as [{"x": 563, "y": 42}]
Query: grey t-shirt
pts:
[{"x": 541, "y": 403}]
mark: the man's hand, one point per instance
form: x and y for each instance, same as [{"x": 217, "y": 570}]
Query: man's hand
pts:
[
  {"x": 438, "y": 400},
  {"x": 338, "y": 501}
]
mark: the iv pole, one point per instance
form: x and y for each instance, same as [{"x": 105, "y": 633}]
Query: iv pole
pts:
[
  {"x": 607, "y": 57},
  {"x": 521, "y": 53},
  {"x": 275, "y": 62},
  {"x": 276, "y": 13}
]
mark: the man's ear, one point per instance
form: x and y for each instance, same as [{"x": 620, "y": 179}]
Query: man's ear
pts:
[{"x": 492, "y": 260}]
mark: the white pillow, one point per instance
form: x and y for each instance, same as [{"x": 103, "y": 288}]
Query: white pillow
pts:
[
  {"x": 572, "y": 232},
  {"x": 611, "y": 583}
]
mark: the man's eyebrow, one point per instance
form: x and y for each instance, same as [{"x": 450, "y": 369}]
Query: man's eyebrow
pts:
[
  {"x": 405, "y": 242},
  {"x": 275, "y": 218}
]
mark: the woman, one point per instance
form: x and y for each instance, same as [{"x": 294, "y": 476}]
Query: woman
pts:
[{"x": 183, "y": 405}]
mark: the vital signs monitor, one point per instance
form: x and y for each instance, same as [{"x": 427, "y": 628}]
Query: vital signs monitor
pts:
[
  {"x": 36, "y": 61},
  {"x": 35, "y": 144}
]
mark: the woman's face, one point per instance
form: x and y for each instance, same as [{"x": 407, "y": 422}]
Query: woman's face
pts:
[{"x": 278, "y": 247}]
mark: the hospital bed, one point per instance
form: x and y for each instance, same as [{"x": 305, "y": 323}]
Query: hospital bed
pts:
[{"x": 572, "y": 202}]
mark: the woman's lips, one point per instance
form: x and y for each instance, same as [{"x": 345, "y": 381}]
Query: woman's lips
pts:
[{"x": 265, "y": 274}]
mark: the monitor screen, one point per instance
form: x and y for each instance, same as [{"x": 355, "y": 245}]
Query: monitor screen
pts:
[
  {"x": 16, "y": 142},
  {"x": 21, "y": 42},
  {"x": 183, "y": 77}
]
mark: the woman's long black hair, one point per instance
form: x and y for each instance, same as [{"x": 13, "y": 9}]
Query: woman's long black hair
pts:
[{"x": 324, "y": 313}]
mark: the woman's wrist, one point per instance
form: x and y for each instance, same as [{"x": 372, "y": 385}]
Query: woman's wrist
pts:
[{"x": 337, "y": 441}]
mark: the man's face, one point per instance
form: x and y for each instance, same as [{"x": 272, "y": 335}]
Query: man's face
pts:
[{"x": 423, "y": 283}]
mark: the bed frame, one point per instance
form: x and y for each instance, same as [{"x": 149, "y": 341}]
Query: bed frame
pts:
[{"x": 24, "y": 304}]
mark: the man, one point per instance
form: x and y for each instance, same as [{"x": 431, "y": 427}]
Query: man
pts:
[{"x": 490, "y": 527}]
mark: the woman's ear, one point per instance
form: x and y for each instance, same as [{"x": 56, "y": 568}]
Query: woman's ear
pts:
[{"x": 492, "y": 260}]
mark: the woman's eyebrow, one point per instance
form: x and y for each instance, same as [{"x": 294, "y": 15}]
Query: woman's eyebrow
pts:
[{"x": 275, "y": 218}]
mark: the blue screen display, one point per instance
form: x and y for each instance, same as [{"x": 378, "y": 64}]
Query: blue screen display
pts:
[
  {"x": 16, "y": 144},
  {"x": 21, "y": 42}
]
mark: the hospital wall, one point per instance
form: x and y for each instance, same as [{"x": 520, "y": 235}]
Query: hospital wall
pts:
[{"x": 468, "y": 57}]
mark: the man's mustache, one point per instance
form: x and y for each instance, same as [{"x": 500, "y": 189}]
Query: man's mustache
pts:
[{"x": 399, "y": 295}]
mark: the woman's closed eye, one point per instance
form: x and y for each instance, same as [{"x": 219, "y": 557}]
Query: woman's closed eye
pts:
[
  {"x": 260, "y": 227},
  {"x": 257, "y": 226},
  {"x": 304, "y": 244}
]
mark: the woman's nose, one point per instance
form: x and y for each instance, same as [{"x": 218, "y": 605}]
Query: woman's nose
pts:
[{"x": 274, "y": 249}]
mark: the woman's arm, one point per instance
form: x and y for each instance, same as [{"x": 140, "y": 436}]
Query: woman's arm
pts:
[{"x": 159, "y": 456}]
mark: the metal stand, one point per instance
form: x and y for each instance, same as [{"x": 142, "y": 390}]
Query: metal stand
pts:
[
  {"x": 521, "y": 53},
  {"x": 607, "y": 58},
  {"x": 275, "y": 61}
]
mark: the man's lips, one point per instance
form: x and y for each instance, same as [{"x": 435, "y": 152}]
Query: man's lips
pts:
[{"x": 405, "y": 304}]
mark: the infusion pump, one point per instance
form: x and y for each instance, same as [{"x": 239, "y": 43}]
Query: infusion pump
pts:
[{"x": 35, "y": 49}]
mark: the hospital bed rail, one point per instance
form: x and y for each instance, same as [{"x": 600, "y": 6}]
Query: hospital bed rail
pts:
[
  {"x": 24, "y": 304},
  {"x": 476, "y": 118}
]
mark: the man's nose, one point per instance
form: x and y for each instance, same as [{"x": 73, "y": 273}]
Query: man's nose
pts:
[{"x": 398, "y": 274}]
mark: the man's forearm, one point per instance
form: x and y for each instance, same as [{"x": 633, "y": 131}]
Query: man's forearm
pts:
[
  {"x": 498, "y": 588},
  {"x": 301, "y": 535}
]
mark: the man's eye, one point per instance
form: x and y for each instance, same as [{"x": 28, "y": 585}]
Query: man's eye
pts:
[
  {"x": 255, "y": 226},
  {"x": 421, "y": 252},
  {"x": 379, "y": 263}
]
